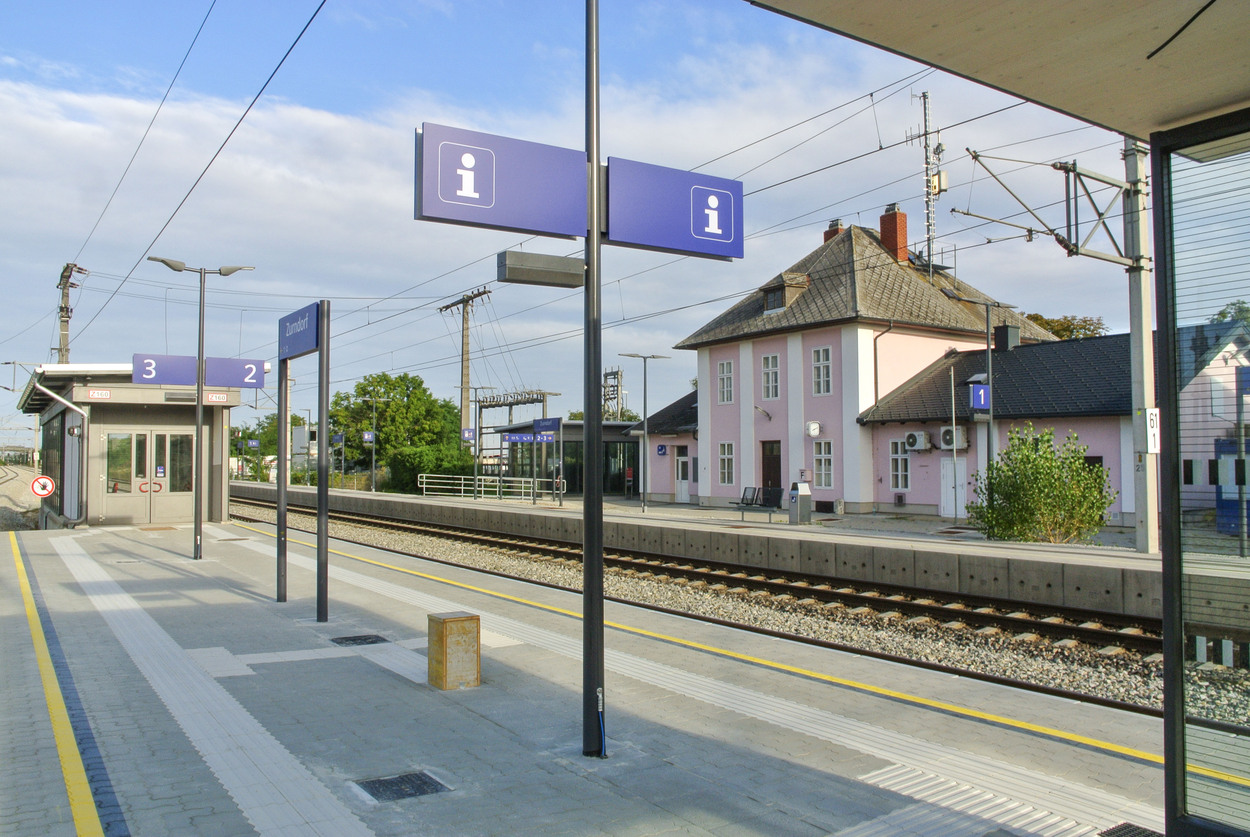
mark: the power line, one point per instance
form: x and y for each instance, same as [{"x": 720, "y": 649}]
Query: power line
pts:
[{"x": 212, "y": 160}]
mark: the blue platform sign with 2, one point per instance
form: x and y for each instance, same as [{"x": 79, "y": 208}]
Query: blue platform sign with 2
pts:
[
  {"x": 297, "y": 332},
  {"x": 234, "y": 372}
]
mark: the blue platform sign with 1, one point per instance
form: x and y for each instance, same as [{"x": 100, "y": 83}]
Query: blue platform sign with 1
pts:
[
  {"x": 980, "y": 396},
  {"x": 170, "y": 370},
  {"x": 675, "y": 210},
  {"x": 484, "y": 180},
  {"x": 297, "y": 332}
]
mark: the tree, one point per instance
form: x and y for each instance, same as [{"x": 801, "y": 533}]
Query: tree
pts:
[
  {"x": 626, "y": 415},
  {"x": 1036, "y": 491},
  {"x": 1070, "y": 326},
  {"x": 415, "y": 432}
]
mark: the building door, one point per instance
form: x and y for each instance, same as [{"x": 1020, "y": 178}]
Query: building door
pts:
[
  {"x": 770, "y": 465},
  {"x": 148, "y": 477},
  {"x": 954, "y": 476},
  {"x": 681, "y": 476}
]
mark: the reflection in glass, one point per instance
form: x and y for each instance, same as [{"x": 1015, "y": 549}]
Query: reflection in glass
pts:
[
  {"x": 181, "y": 461},
  {"x": 1211, "y": 269},
  {"x": 118, "y": 463}
]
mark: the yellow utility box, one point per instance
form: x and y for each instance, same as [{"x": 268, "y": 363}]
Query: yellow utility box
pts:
[{"x": 454, "y": 650}]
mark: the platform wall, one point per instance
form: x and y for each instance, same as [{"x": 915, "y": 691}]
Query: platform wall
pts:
[{"x": 1126, "y": 590}]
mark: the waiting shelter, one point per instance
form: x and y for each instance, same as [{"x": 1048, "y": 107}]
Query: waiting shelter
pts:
[{"x": 124, "y": 453}]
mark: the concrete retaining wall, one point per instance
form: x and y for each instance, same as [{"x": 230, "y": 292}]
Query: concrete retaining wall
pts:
[{"x": 1133, "y": 591}]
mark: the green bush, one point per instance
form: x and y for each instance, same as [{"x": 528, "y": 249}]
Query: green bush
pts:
[{"x": 1035, "y": 491}]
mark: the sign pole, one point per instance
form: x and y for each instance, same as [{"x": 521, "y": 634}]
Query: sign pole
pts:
[
  {"x": 284, "y": 443},
  {"x": 323, "y": 462},
  {"x": 594, "y": 737}
]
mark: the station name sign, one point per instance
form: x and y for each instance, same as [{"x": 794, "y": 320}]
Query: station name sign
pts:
[{"x": 297, "y": 332}]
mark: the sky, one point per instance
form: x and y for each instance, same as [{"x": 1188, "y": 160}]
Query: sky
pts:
[{"x": 121, "y": 136}]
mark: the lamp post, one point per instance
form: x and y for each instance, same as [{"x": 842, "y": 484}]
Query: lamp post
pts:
[
  {"x": 989, "y": 362},
  {"x": 477, "y": 432},
  {"x": 646, "y": 444},
  {"x": 373, "y": 446},
  {"x": 175, "y": 265}
]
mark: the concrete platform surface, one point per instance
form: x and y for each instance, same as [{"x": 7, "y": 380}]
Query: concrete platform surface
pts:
[{"x": 149, "y": 694}]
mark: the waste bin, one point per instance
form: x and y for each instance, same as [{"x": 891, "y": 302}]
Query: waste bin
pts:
[{"x": 800, "y": 503}]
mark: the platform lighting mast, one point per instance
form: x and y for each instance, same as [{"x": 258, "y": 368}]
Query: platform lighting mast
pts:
[{"x": 934, "y": 180}]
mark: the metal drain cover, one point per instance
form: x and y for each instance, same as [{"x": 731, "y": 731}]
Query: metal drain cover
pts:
[
  {"x": 363, "y": 639},
  {"x": 402, "y": 787},
  {"x": 1126, "y": 830}
]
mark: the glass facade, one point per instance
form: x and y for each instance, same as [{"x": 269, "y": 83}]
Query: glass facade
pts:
[{"x": 1202, "y": 233}]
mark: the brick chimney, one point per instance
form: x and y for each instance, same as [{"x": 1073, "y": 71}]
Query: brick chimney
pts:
[
  {"x": 835, "y": 228},
  {"x": 894, "y": 232}
]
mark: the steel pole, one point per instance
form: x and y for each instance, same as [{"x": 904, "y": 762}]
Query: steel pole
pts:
[
  {"x": 323, "y": 462},
  {"x": 197, "y": 551},
  {"x": 594, "y": 736},
  {"x": 284, "y": 468},
  {"x": 644, "y": 467}
]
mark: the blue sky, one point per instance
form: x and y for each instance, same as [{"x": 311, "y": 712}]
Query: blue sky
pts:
[{"x": 315, "y": 187}]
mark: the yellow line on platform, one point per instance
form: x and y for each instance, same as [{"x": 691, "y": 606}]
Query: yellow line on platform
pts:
[
  {"x": 929, "y": 703},
  {"x": 77, "y": 788}
]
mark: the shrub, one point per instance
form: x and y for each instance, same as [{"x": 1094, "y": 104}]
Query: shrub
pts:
[{"x": 1035, "y": 491}]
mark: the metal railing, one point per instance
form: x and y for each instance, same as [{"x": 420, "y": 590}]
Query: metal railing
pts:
[{"x": 492, "y": 487}]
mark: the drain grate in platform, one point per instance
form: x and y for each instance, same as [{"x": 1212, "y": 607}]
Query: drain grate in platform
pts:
[
  {"x": 1126, "y": 830},
  {"x": 363, "y": 639},
  {"x": 402, "y": 787}
]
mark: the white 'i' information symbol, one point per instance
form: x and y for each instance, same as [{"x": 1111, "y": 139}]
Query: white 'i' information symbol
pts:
[
  {"x": 713, "y": 216},
  {"x": 466, "y": 189}
]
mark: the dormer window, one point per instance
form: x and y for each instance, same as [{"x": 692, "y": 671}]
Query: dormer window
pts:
[{"x": 774, "y": 299}]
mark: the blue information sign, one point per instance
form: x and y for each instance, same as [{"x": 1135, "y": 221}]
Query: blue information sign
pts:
[
  {"x": 675, "y": 210},
  {"x": 483, "y": 180},
  {"x": 172, "y": 370},
  {"x": 547, "y": 425},
  {"x": 661, "y": 450},
  {"x": 336, "y": 439},
  {"x": 233, "y": 372},
  {"x": 367, "y": 436},
  {"x": 980, "y": 396},
  {"x": 544, "y": 437},
  {"x": 467, "y": 434},
  {"x": 518, "y": 437},
  {"x": 297, "y": 332},
  {"x": 1243, "y": 380},
  {"x": 253, "y": 443}
]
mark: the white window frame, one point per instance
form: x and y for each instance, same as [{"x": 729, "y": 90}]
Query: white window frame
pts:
[
  {"x": 725, "y": 382},
  {"x": 822, "y": 463},
  {"x": 822, "y": 371},
  {"x": 900, "y": 465},
  {"x": 725, "y": 463},
  {"x": 770, "y": 377}
]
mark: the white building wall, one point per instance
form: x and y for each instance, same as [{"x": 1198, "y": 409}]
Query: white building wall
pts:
[{"x": 857, "y": 395}]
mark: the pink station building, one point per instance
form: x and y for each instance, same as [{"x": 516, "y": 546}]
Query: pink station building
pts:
[{"x": 851, "y": 371}]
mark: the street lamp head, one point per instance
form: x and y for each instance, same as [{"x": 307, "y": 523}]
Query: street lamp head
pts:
[
  {"x": 172, "y": 264},
  {"x": 226, "y": 271}
]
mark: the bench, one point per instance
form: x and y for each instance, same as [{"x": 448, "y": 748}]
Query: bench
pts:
[{"x": 764, "y": 499}]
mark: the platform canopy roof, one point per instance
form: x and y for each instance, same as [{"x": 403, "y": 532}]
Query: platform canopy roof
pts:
[{"x": 1132, "y": 66}]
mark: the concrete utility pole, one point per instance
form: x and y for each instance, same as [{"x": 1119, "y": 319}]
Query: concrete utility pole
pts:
[
  {"x": 465, "y": 303},
  {"x": 66, "y": 312},
  {"x": 1136, "y": 236},
  {"x": 1135, "y": 258}
]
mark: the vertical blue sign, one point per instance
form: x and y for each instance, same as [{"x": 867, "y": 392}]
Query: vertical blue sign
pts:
[
  {"x": 467, "y": 434},
  {"x": 679, "y": 211},
  {"x": 297, "y": 332},
  {"x": 980, "y": 396},
  {"x": 367, "y": 436}
]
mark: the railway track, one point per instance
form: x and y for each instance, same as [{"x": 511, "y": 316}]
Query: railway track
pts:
[{"x": 1107, "y": 633}]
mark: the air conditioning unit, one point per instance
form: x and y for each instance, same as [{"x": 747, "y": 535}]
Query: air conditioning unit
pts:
[
  {"x": 953, "y": 438},
  {"x": 917, "y": 440}
]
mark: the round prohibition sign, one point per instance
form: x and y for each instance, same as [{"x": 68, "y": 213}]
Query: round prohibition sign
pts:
[{"x": 43, "y": 486}]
